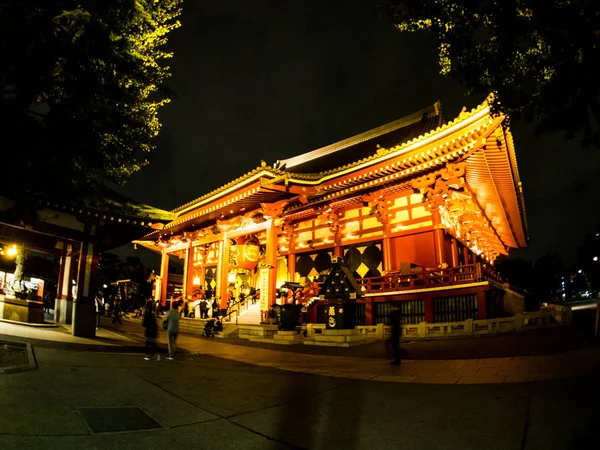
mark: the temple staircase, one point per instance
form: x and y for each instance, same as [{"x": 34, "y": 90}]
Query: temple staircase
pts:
[{"x": 250, "y": 315}]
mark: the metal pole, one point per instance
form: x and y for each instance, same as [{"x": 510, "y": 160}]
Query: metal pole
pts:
[{"x": 597, "y": 319}]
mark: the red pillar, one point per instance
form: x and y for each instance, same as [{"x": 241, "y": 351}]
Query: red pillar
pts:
[
  {"x": 271, "y": 260},
  {"x": 188, "y": 273},
  {"x": 465, "y": 256},
  {"x": 369, "y": 311},
  {"x": 454, "y": 248},
  {"x": 291, "y": 266},
  {"x": 337, "y": 244},
  {"x": 388, "y": 259},
  {"x": 428, "y": 309},
  {"x": 223, "y": 271},
  {"x": 164, "y": 278},
  {"x": 438, "y": 238},
  {"x": 481, "y": 306}
]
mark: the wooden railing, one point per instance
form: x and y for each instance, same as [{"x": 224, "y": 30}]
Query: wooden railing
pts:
[{"x": 395, "y": 281}]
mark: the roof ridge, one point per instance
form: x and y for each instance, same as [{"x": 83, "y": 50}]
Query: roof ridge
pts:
[
  {"x": 432, "y": 110},
  {"x": 228, "y": 185}
]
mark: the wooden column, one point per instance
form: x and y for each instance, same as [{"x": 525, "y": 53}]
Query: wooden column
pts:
[
  {"x": 428, "y": 301},
  {"x": 223, "y": 272},
  {"x": 369, "y": 311},
  {"x": 271, "y": 259},
  {"x": 164, "y": 278},
  {"x": 291, "y": 260},
  {"x": 188, "y": 273},
  {"x": 465, "y": 256},
  {"x": 388, "y": 257},
  {"x": 454, "y": 248},
  {"x": 84, "y": 308},
  {"x": 291, "y": 263},
  {"x": 438, "y": 238},
  {"x": 481, "y": 306},
  {"x": 337, "y": 244},
  {"x": 202, "y": 272}
]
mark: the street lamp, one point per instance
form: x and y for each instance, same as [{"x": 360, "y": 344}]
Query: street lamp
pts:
[{"x": 595, "y": 258}]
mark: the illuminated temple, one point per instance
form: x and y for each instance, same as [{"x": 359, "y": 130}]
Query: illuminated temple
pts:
[{"x": 419, "y": 207}]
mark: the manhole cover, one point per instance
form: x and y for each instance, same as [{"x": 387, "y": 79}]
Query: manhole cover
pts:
[{"x": 112, "y": 420}]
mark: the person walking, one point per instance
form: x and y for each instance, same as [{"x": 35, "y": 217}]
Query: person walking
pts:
[
  {"x": 396, "y": 316},
  {"x": 117, "y": 311},
  {"x": 150, "y": 331},
  {"x": 99, "y": 310},
  {"x": 171, "y": 324}
]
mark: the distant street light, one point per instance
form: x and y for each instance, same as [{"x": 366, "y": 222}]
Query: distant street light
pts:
[
  {"x": 595, "y": 258},
  {"x": 579, "y": 271}
]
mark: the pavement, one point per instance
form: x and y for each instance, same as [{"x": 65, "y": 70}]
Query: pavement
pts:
[
  {"x": 101, "y": 394},
  {"x": 579, "y": 359}
]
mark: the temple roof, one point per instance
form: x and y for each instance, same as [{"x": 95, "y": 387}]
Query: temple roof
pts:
[{"x": 365, "y": 145}]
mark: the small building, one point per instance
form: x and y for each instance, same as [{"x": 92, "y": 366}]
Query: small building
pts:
[{"x": 419, "y": 207}]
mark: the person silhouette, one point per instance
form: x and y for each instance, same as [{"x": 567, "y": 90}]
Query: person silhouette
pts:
[{"x": 396, "y": 316}]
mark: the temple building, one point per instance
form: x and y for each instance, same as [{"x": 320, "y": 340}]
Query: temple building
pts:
[{"x": 419, "y": 207}]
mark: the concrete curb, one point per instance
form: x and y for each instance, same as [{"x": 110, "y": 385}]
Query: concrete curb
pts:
[
  {"x": 35, "y": 325},
  {"x": 31, "y": 365}
]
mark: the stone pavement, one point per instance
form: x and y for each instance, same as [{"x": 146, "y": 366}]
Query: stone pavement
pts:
[{"x": 583, "y": 362}]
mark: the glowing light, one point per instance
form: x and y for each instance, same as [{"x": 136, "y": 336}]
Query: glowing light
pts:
[
  {"x": 196, "y": 281},
  {"x": 12, "y": 251},
  {"x": 595, "y": 258},
  {"x": 231, "y": 277}
]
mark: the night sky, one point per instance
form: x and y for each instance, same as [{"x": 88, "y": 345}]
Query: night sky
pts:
[{"x": 270, "y": 80}]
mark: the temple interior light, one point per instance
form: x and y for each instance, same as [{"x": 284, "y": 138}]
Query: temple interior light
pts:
[
  {"x": 196, "y": 281},
  {"x": 231, "y": 277}
]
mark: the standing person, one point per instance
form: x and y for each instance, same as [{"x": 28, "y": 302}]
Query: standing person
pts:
[
  {"x": 47, "y": 302},
  {"x": 150, "y": 331},
  {"x": 117, "y": 311},
  {"x": 203, "y": 309},
  {"x": 172, "y": 327},
  {"x": 215, "y": 308},
  {"x": 396, "y": 337},
  {"x": 99, "y": 310}
]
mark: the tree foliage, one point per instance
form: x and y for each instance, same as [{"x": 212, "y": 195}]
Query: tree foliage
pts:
[
  {"x": 539, "y": 57},
  {"x": 81, "y": 86}
]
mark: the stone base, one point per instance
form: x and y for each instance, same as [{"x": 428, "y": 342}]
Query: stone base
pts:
[
  {"x": 27, "y": 311},
  {"x": 282, "y": 337},
  {"x": 84, "y": 320},
  {"x": 338, "y": 338},
  {"x": 256, "y": 331}
]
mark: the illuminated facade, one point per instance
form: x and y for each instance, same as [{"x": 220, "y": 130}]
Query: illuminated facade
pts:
[{"x": 421, "y": 209}]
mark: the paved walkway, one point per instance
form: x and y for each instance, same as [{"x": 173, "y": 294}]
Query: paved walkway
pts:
[{"x": 584, "y": 362}]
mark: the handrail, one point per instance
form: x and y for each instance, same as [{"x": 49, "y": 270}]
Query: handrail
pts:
[{"x": 235, "y": 306}]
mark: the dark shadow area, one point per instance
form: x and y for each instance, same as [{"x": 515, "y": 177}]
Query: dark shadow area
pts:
[{"x": 535, "y": 342}]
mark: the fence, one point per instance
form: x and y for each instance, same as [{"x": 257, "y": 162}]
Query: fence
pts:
[
  {"x": 395, "y": 281},
  {"x": 546, "y": 317}
]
